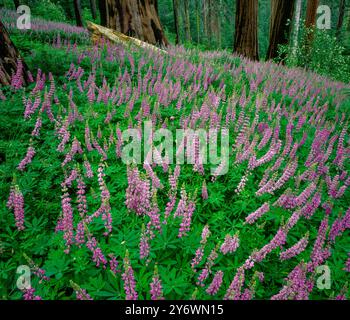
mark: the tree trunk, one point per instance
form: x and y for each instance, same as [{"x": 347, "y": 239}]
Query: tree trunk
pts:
[
  {"x": 93, "y": 9},
  {"x": 205, "y": 20},
  {"x": 296, "y": 28},
  {"x": 16, "y": 3},
  {"x": 187, "y": 21},
  {"x": 102, "y": 7},
  {"x": 77, "y": 10},
  {"x": 136, "y": 18},
  {"x": 341, "y": 17},
  {"x": 310, "y": 23},
  {"x": 8, "y": 58},
  {"x": 311, "y": 13},
  {"x": 176, "y": 20},
  {"x": 280, "y": 25},
  {"x": 246, "y": 33},
  {"x": 198, "y": 21}
]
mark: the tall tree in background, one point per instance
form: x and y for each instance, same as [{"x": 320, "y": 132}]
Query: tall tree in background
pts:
[
  {"x": 341, "y": 17},
  {"x": 187, "y": 20},
  {"x": 280, "y": 25},
  {"x": 296, "y": 27},
  {"x": 93, "y": 9},
  {"x": 205, "y": 18},
  {"x": 246, "y": 33},
  {"x": 136, "y": 18},
  {"x": 176, "y": 20},
  {"x": 102, "y": 7},
  {"x": 77, "y": 10},
  {"x": 198, "y": 21},
  {"x": 310, "y": 22},
  {"x": 8, "y": 58},
  {"x": 311, "y": 13}
]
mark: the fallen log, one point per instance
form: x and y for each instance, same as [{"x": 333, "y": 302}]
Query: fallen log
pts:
[{"x": 98, "y": 32}]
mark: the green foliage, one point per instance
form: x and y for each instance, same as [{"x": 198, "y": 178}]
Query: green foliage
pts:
[
  {"x": 49, "y": 10},
  {"x": 323, "y": 54}
]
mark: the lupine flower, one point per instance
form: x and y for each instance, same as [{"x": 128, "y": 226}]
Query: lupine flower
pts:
[
  {"x": 129, "y": 280},
  {"x": 235, "y": 288},
  {"x": 113, "y": 264},
  {"x": 298, "y": 286},
  {"x": 293, "y": 251},
  {"x": 98, "y": 257},
  {"x": 29, "y": 294},
  {"x": 230, "y": 244},
  {"x": 16, "y": 202},
  {"x": 215, "y": 284},
  {"x": 156, "y": 286},
  {"x": 80, "y": 293},
  {"x": 27, "y": 159},
  {"x": 144, "y": 244},
  {"x": 204, "y": 191},
  {"x": 258, "y": 213}
]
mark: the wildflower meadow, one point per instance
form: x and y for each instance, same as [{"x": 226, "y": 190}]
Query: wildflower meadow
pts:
[{"x": 251, "y": 201}]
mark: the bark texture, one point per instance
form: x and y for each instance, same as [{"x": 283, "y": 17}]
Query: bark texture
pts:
[
  {"x": 246, "y": 33},
  {"x": 280, "y": 26},
  {"x": 8, "y": 58},
  {"x": 136, "y": 18},
  {"x": 77, "y": 11}
]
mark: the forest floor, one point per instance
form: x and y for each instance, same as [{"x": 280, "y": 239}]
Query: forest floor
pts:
[{"x": 274, "y": 225}]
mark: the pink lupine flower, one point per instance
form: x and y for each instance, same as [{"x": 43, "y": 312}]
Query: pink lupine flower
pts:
[
  {"x": 98, "y": 257},
  {"x": 144, "y": 244},
  {"x": 67, "y": 219},
  {"x": 347, "y": 264},
  {"x": 129, "y": 280},
  {"x": 27, "y": 159},
  {"x": 230, "y": 244},
  {"x": 235, "y": 288},
  {"x": 29, "y": 294},
  {"x": 88, "y": 171},
  {"x": 80, "y": 293},
  {"x": 187, "y": 218},
  {"x": 298, "y": 286},
  {"x": 36, "y": 130},
  {"x": 258, "y": 213},
  {"x": 215, "y": 284},
  {"x": 319, "y": 253},
  {"x": 113, "y": 264},
  {"x": 156, "y": 286},
  {"x": 16, "y": 202},
  {"x": 138, "y": 194},
  {"x": 204, "y": 191},
  {"x": 17, "y": 79},
  {"x": 293, "y": 251},
  {"x": 83, "y": 295}
]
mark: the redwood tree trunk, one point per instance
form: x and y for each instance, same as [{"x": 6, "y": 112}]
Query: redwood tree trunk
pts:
[
  {"x": 93, "y": 9},
  {"x": 187, "y": 21},
  {"x": 77, "y": 10},
  {"x": 246, "y": 33},
  {"x": 176, "y": 20},
  {"x": 102, "y": 7},
  {"x": 280, "y": 25},
  {"x": 310, "y": 22},
  {"x": 341, "y": 17},
  {"x": 8, "y": 58},
  {"x": 311, "y": 13},
  {"x": 136, "y": 18}
]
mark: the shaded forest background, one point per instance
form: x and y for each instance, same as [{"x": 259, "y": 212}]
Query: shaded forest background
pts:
[
  {"x": 210, "y": 25},
  {"x": 212, "y": 22}
]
